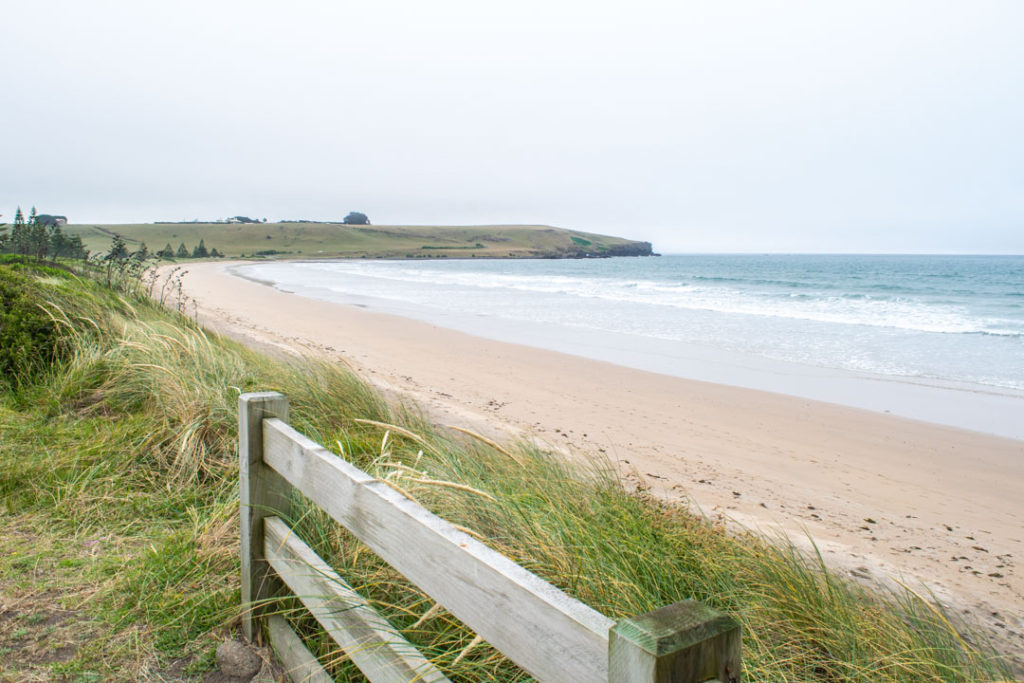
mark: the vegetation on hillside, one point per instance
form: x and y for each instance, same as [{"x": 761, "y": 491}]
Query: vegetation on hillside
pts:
[
  {"x": 119, "y": 515},
  {"x": 40, "y": 237},
  {"x": 29, "y": 338},
  {"x": 354, "y": 240}
]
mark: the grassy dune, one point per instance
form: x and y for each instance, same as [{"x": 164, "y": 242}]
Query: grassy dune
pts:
[
  {"x": 323, "y": 240},
  {"x": 119, "y": 520}
]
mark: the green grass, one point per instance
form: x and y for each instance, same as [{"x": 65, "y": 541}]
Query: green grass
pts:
[
  {"x": 118, "y": 492},
  {"x": 324, "y": 240}
]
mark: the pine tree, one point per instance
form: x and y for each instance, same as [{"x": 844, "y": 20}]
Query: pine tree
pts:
[
  {"x": 20, "y": 239},
  {"x": 19, "y": 234},
  {"x": 118, "y": 249},
  {"x": 32, "y": 217},
  {"x": 166, "y": 252},
  {"x": 200, "y": 251},
  {"x": 58, "y": 242},
  {"x": 142, "y": 254},
  {"x": 182, "y": 251},
  {"x": 39, "y": 239},
  {"x": 76, "y": 249}
]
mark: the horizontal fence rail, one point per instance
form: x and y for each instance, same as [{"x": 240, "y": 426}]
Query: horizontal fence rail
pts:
[{"x": 552, "y": 636}]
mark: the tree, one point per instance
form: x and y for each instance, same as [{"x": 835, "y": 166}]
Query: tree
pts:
[
  {"x": 215, "y": 254},
  {"x": 38, "y": 236},
  {"x": 200, "y": 250},
  {"x": 19, "y": 234},
  {"x": 356, "y": 218},
  {"x": 166, "y": 252},
  {"x": 39, "y": 240},
  {"x": 118, "y": 249},
  {"x": 20, "y": 240},
  {"x": 76, "y": 249},
  {"x": 142, "y": 253},
  {"x": 58, "y": 242},
  {"x": 182, "y": 251}
]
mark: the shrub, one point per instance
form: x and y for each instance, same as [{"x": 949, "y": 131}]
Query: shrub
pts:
[{"x": 29, "y": 337}]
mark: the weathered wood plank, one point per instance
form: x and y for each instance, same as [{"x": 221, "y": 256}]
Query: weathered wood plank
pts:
[
  {"x": 687, "y": 642},
  {"x": 299, "y": 663},
  {"x": 374, "y": 645},
  {"x": 262, "y": 490},
  {"x": 549, "y": 634}
]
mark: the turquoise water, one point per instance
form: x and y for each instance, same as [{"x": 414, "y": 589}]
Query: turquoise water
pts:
[{"x": 953, "y": 319}]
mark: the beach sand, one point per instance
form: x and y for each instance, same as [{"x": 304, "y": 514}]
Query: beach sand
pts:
[{"x": 884, "y": 498}]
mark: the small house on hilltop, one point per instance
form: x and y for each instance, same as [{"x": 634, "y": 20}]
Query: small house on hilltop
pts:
[{"x": 48, "y": 220}]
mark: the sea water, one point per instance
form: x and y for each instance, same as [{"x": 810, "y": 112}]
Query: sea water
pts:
[{"x": 807, "y": 325}]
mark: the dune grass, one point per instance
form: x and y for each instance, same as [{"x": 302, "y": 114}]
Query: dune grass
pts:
[{"x": 120, "y": 459}]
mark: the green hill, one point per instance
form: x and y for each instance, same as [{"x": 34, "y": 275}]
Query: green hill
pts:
[{"x": 336, "y": 240}]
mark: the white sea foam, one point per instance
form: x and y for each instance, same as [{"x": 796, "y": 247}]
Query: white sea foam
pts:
[
  {"x": 912, "y": 317},
  {"x": 857, "y": 309}
]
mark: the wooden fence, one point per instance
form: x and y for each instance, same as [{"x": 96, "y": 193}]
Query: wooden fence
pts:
[{"x": 544, "y": 631}]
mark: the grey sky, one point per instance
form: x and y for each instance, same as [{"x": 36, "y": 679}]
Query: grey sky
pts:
[{"x": 721, "y": 126}]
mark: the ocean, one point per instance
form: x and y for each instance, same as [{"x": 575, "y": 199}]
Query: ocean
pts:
[{"x": 863, "y": 330}]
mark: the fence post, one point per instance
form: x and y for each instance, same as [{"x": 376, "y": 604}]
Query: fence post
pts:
[
  {"x": 263, "y": 493},
  {"x": 687, "y": 642}
]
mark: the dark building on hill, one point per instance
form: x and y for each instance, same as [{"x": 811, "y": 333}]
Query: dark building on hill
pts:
[{"x": 47, "y": 219}]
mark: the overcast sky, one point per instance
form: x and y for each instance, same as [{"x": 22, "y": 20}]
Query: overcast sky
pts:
[{"x": 702, "y": 126}]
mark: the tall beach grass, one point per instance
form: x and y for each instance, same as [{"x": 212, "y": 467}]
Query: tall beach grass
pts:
[{"x": 132, "y": 434}]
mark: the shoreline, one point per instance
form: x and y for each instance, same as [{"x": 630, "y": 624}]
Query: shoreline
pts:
[
  {"x": 985, "y": 408},
  {"x": 882, "y": 496}
]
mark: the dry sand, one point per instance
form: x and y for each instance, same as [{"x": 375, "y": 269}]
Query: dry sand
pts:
[{"x": 885, "y": 498}]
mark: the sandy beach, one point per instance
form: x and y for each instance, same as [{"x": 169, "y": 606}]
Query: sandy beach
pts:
[{"x": 885, "y": 498}]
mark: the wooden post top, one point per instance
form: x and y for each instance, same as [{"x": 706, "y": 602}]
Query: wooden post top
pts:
[
  {"x": 256, "y": 396},
  {"x": 674, "y": 627},
  {"x": 687, "y": 642}
]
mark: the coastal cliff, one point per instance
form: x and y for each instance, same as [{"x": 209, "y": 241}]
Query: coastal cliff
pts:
[{"x": 618, "y": 249}]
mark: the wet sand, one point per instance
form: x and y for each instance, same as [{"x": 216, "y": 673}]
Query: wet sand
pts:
[{"x": 937, "y": 508}]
